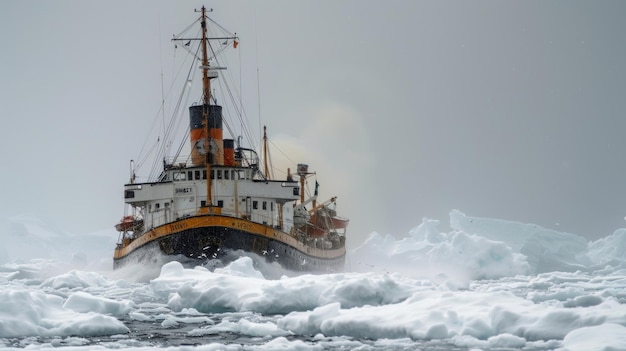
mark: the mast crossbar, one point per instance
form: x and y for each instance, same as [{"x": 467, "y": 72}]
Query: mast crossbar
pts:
[{"x": 213, "y": 38}]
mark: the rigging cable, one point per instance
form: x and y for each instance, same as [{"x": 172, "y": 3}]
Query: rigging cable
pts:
[
  {"x": 281, "y": 151},
  {"x": 161, "y": 66},
  {"x": 154, "y": 171},
  {"x": 233, "y": 99},
  {"x": 141, "y": 156},
  {"x": 258, "y": 79}
]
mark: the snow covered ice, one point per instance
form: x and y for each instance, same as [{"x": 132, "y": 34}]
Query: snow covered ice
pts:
[{"x": 486, "y": 284}]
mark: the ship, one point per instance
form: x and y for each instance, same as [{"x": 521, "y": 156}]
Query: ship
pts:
[{"x": 220, "y": 201}]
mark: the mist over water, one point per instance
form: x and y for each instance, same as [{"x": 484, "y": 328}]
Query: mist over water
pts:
[{"x": 486, "y": 284}]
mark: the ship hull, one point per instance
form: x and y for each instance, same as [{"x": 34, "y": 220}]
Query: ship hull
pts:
[{"x": 198, "y": 240}]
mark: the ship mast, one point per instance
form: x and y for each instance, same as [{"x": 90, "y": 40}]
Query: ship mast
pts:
[
  {"x": 206, "y": 82},
  {"x": 206, "y": 100},
  {"x": 265, "y": 154},
  {"x": 206, "y": 119}
]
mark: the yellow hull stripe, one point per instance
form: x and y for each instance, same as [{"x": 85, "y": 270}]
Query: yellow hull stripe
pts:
[{"x": 227, "y": 222}]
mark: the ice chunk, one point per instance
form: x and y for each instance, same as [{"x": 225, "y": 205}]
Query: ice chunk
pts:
[
  {"x": 550, "y": 251},
  {"x": 243, "y": 267},
  {"x": 507, "y": 341},
  {"x": 35, "y": 313},
  {"x": 609, "y": 249},
  {"x": 244, "y": 327},
  {"x": 511, "y": 321},
  {"x": 84, "y": 302},
  {"x": 546, "y": 250},
  {"x": 458, "y": 256},
  {"x": 605, "y": 337},
  {"x": 75, "y": 280},
  {"x": 208, "y": 291},
  {"x": 281, "y": 343}
]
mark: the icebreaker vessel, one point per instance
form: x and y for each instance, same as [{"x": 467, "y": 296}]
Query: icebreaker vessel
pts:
[{"x": 219, "y": 201}]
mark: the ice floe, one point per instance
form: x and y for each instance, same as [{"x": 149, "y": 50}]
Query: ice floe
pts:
[{"x": 485, "y": 284}]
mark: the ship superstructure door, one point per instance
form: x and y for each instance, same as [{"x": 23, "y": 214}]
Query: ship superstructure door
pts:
[{"x": 248, "y": 207}]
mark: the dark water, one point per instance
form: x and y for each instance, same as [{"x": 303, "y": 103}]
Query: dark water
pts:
[{"x": 153, "y": 334}]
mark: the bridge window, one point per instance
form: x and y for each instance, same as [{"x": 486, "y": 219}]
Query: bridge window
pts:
[
  {"x": 255, "y": 204},
  {"x": 197, "y": 175},
  {"x": 265, "y": 205}
]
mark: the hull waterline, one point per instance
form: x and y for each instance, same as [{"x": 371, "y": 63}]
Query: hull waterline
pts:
[{"x": 202, "y": 239}]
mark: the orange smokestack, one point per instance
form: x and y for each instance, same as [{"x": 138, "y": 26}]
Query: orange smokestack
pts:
[
  {"x": 229, "y": 152},
  {"x": 197, "y": 134}
]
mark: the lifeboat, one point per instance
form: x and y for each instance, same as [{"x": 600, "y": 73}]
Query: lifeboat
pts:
[
  {"x": 127, "y": 223},
  {"x": 324, "y": 221}
]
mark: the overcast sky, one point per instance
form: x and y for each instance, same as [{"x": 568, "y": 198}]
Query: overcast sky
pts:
[{"x": 407, "y": 109}]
